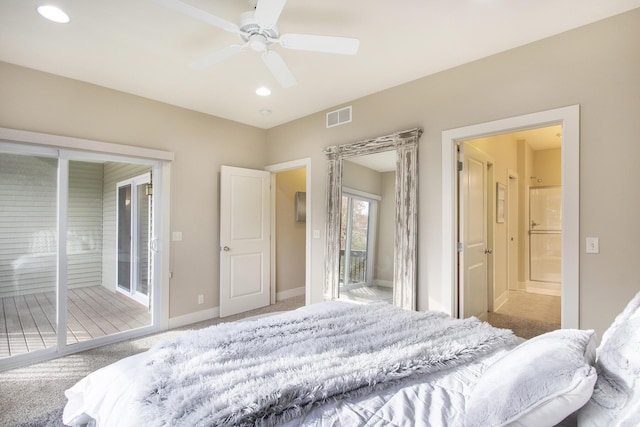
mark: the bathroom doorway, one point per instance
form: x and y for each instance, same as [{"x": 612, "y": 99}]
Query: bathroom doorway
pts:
[{"x": 524, "y": 289}]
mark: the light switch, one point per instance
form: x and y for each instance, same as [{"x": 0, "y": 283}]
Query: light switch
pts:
[
  {"x": 593, "y": 245},
  {"x": 316, "y": 234},
  {"x": 176, "y": 236}
]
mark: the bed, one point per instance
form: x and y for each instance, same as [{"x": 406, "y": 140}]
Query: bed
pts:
[{"x": 343, "y": 364}]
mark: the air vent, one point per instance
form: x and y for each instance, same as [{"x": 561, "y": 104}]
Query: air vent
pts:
[{"x": 339, "y": 117}]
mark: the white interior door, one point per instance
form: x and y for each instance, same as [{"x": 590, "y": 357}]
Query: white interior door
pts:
[
  {"x": 473, "y": 231},
  {"x": 244, "y": 240}
]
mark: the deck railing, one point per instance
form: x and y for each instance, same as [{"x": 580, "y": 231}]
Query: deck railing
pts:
[{"x": 357, "y": 266}]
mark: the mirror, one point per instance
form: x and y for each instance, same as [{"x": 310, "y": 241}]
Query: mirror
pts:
[
  {"x": 367, "y": 221},
  {"x": 405, "y": 146}
]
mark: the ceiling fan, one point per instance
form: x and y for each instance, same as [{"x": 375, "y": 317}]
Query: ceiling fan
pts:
[{"x": 258, "y": 31}]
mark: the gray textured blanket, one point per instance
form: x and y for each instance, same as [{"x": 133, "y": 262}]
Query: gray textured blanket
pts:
[{"x": 273, "y": 369}]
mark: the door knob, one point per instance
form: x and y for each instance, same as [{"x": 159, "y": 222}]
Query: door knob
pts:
[
  {"x": 226, "y": 248},
  {"x": 488, "y": 251}
]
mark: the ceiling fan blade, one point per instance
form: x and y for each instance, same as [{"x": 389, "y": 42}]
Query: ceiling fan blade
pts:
[
  {"x": 278, "y": 68},
  {"x": 217, "y": 56},
  {"x": 199, "y": 14},
  {"x": 328, "y": 44},
  {"x": 268, "y": 12}
]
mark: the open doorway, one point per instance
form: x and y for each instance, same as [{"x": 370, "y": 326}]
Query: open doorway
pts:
[
  {"x": 568, "y": 117},
  {"x": 291, "y": 213},
  {"x": 524, "y": 287},
  {"x": 290, "y": 242}
]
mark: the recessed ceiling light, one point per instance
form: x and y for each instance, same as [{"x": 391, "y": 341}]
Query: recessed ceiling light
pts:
[
  {"x": 263, "y": 91},
  {"x": 53, "y": 13}
]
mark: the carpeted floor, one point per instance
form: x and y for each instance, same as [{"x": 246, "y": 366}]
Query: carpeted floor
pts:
[
  {"x": 34, "y": 395},
  {"x": 522, "y": 327},
  {"x": 50, "y": 419}
]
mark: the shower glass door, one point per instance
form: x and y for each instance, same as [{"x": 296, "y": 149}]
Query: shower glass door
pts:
[{"x": 545, "y": 234}]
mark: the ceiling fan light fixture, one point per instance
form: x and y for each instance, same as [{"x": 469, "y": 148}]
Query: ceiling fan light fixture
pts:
[
  {"x": 263, "y": 91},
  {"x": 258, "y": 42},
  {"x": 258, "y": 31},
  {"x": 54, "y": 14}
]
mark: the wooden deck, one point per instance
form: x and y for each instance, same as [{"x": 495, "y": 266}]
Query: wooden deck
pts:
[{"x": 28, "y": 322}]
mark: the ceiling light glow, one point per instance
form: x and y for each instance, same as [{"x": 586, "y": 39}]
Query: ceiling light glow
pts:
[
  {"x": 53, "y": 13},
  {"x": 263, "y": 91}
]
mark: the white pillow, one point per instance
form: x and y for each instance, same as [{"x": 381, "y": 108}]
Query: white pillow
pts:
[
  {"x": 616, "y": 396},
  {"x": 540, "y": 382}
]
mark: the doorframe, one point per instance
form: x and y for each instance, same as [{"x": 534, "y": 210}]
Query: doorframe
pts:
[
  {"x": 283, "y": 167},
  {"x": 569, "y": 118}
]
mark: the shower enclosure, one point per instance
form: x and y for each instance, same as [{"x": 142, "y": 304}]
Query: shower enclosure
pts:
[{"x": 545, "y": 234}]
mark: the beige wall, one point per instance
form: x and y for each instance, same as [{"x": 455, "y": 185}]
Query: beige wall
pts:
[
  {"x": 525, "y": 163},
  {"x": 547, "y": 167},
  {"x": 386, "y": 227},
  {"x": 358, "y": 177},
  {"x": 40, "y": 102},
  {"x": 596, "y": 66},
  {"x": 291, "y": 241}
]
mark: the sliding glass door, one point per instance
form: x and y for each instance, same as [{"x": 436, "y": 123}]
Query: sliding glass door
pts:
[
  {"x": 133, "y": 231},
  {"x": 76, "y": 264},
  {"x": 28, "y": 252},
  {"x": 357, "y": 230}
]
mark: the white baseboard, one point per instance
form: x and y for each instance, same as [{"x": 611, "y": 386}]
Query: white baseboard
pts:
[
  {"x": 499, "y": 302},
  {"x": 385, "y": 283},
  {"x": 544, "y": 288},
  {"x": 520, "y": 286},
  {"x": 213, "y": 313},
  {"x": 297, "y": 292},
  {"x": 198, "y": 316}
]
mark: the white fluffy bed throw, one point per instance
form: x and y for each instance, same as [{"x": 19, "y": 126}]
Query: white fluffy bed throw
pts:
[{"x": 273, "y": 369}]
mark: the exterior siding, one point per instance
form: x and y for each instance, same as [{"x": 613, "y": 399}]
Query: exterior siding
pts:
[
  {"x": 27, "y": 224},
  {"x": 28, "y": 234},
  {"x": 84, "y": 235}
]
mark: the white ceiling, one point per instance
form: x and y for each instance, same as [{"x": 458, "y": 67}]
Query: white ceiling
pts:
[
  {"x": 542, "y": 138},
  {"x": 143, "y": 48}
]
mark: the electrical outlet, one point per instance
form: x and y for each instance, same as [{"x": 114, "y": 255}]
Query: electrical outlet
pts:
[
  {"x": 593, "y": 245},
  {"x": 200, "y": 299}
]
